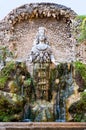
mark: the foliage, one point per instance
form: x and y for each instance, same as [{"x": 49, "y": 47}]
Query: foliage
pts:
[
  {"x": 16, "y": 88},
  {"x": 27, "y": 82},
  {"x": 14, "y": 71},
  {"x": 81, "y": 17},
  {"x": 8, "y": 111},
  {"x": 5, "y": 73},
  {"x": 78, "y": 109},
  {"x": 4, "y": 53},
  {"x": 80, "y": 69},
  {"x": 82, "y": 28}
]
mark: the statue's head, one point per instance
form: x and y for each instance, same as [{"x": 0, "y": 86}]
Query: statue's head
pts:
[
  {"x": 42, "y": 30},
  {"x": 41, "y": 36}
]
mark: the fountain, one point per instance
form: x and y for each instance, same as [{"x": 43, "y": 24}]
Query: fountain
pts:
[
  {"x": 41, "y": 93},
  {"x": 43, "y": 96}
]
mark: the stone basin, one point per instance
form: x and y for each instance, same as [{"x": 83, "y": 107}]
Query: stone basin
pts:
[{"x": 42, "y": 126}]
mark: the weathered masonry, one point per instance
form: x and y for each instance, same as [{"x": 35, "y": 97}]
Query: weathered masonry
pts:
[{"x": 18, "y": 29}]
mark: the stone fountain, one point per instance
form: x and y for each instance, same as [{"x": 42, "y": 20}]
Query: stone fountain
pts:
[
  {"x": 44, "y": 96},
  {"x": 41, "y": 93}
]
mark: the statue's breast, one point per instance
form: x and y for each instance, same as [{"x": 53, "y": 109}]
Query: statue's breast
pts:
[{"x": 42, "y": 47}]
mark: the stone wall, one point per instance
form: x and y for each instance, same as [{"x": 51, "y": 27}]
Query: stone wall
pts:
[
  {"x": 18, "y": 29},
  {"x": 80, "y": 46}
]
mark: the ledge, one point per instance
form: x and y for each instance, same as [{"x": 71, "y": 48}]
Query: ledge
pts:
[{"x": 42, "y": 126}]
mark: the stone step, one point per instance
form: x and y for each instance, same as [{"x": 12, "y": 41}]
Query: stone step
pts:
[{"x": 42, "y": 126}]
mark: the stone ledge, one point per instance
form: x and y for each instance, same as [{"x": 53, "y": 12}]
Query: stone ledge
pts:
[{"x": 42, "y": 126}]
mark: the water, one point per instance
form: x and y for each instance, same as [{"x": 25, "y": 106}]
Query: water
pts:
[
  {"x": 26, "y": 113},
  {"x": 27, "y": 120},
  {"x": 62, "y": 94},
  {"x": 64, "y": 90}
]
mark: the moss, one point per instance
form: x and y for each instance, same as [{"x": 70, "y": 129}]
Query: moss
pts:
[
  {"x": 59, "y": 73},
  {"x": 81, "y": 68},
  {"x": 78, "y": 109},
  {"x": 13, "y": 86},
  {"x": 81, "y": 105},
  {"x": 3, "y": 81},
  {"x": 27, "y": 82},
  {"x": 14, "y": 80},
  {"x": 8, "y": 110},
  {"x": 5, "y": 73},
  {"x": 59, "y": 77},
  {"x": 4, "y": 53}
]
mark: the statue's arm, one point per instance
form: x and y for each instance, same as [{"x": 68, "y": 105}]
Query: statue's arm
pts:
[{"x": 53, "y": 60}]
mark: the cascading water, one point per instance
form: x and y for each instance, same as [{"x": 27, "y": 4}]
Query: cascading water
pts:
[
  {"x": 65, "y": 89},
  {"x": 60, "y": 109},
  {"x": 27, "y": 113}
]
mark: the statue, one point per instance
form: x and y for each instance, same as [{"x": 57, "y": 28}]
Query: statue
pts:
[
  {"x": 41, "y": 56},
  {"x": 41, "y": 52}
]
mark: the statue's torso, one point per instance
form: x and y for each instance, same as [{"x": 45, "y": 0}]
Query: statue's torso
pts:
[
  {"x": 42, "y": 47},
  {"x": 41, "y": 53}
]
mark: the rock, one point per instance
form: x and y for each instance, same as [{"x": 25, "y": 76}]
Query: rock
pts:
[
  {"x": 57, "y": 81},
  {"x": 43, "y": 111},
  {"x": 13, "y": 87}
]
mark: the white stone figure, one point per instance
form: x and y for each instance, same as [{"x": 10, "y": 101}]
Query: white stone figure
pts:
[{"x": 41, "y": 51}]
